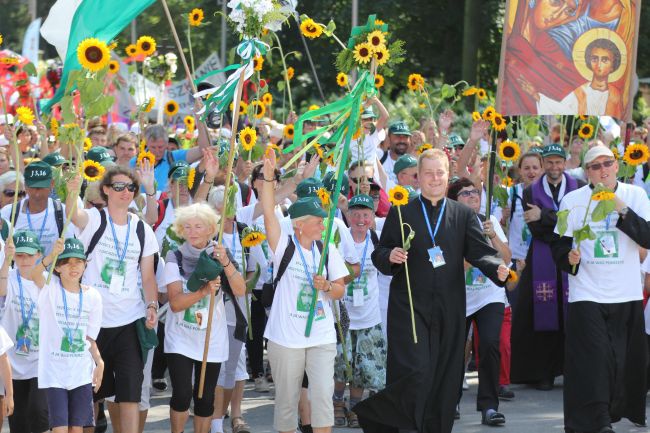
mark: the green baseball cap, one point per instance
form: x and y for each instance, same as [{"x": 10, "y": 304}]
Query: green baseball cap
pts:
[
  {"x": 307, "y": 206},
  {"x": 412, "y": 192},
  {"x": 26, "y": 242},
  {"x": 207, "y": 269},
  {"x": 404, "y": 162},
  {"x": 399, "y": 127},
  {"x": 73, "y": 248},
  {"x": 179, "y": 173},
  {"x": 54, "y": 159},
  {"x": 553, "y": 150},
  {"x": 100, "y": 155},
  {"x": 361, "y": 200},
  {"x": 329, "y": 181},
  {"x": 455, "y": 141},
  {"x": 176, "y": 165},
  {"x": 308, "y": 187},
  {"x": 368, "y": 113},
  {"x": 536, "y": 149},
  {"x": 38, "y": 174}
]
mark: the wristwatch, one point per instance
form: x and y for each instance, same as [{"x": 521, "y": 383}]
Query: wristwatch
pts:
[
  {"x": 152, "y": 304},
  {"x": 623, "y": 211}
]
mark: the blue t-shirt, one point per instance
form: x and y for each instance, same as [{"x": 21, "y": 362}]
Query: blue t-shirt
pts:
[{"x": 162, "y": 167}]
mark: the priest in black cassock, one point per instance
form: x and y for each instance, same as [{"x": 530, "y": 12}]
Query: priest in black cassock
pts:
[{"x": 424, "y": 379}]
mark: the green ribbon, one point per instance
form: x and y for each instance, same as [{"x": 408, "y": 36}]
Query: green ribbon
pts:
[{"x": 359, "y": 30}]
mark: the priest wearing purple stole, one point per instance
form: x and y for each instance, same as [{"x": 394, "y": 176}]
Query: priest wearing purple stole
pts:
[{"x": 537, "y": 345}]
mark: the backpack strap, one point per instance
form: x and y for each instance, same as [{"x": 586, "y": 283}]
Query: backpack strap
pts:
[
  {"x": 58, "y": 214},
  {"x": 98, "y": 234},
  {"x": 18, "y": 203},
  {"x": 4, "y": 229},
  {"x": 384, "y": 157},
  {"x": 163, "y": 202},
  {"x": 245, "y": 191},
  {"x": 513, "y": 205},
  {"x": 179, "y": 262},
  {"x": 374, "y": 237},
  {"x": 170, "y": 158},
  {"x": 139, "y": 231}
]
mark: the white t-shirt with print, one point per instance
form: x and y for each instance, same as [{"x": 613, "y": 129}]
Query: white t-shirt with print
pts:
[
  {"x": 5, "y": 345},
  {"x": 480, "y": 290},
  {"x": 519, "y": 235},
  {"x": 185, "y": 330},
  {"x": 238, "y": 252},
  {"x": 367, "y": 151},
  {"x": 64, "y": 359},
  {"x": 364, "y": 313},
  {"x": 293, "y": 297},
  {"x": 50, "y": 231},
  {"x": 168, "y": 220},
  {"x": 609, "y": 266},
  {"x": 23, "y": 358},
  {"x": 124, "y": 303}
]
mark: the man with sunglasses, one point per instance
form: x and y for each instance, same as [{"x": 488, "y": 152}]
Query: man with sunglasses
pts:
[
  {"x": 606, "y": 357},
  {"x": 537, "y": 351},
  {"x": 38, "y": 212}
]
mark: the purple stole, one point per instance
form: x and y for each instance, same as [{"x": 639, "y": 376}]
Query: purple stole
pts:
[{"x": 545, "y": 290}]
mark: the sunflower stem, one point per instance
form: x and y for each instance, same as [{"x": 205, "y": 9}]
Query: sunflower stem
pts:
[
  {"x": 408, "y": 279},
  {"x": 584, "y": 222},
  {"x": 189, "y": 44},
  {"x": 286, "y": 76}
]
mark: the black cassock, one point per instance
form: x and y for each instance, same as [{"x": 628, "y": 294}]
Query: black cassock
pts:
[{"x": 424, "y": 379}]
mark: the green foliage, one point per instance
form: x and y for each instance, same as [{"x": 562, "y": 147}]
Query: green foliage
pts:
[
  {"x": 562, "y": 224},
  {"x": 584, "y": 233},
  {"x": 409, "y": 238},
  {"x": 252, "y": 282},
  {"x": 602, "y": 209}
]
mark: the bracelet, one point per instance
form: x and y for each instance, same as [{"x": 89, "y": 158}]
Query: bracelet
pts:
[
  {"x": 44, "y": 265},
  {"x": 152, "y": 304},
  {"x": 150, "y": 195},
  {"x": 229, "y": 263}
]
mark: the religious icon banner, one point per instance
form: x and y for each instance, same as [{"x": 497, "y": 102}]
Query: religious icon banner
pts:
[{"x": 569, "y": 57}]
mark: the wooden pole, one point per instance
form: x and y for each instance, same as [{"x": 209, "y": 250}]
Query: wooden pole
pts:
[
  {"x": 231, "y": 159},
  {"x": 179, "y": 46}
]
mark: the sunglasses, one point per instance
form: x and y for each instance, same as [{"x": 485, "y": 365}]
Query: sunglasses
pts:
[
  {"x": 467, "y": 194},
  {"x": 11, "y": 193},
  {"x": 361, "y": 179},
  {"x": 120, "y": 186},
  {"x": 597, "y": 166}
]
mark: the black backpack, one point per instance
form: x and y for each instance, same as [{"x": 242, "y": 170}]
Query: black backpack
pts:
[{"x": 58, "y": 213}]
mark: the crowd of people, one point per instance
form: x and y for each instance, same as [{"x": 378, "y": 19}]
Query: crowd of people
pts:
[{"x": 164, "y": 245}]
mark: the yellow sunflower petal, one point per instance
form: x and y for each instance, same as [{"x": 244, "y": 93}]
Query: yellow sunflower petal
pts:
[
  {"x": 379, "y": 81},
  {"x": 636, "y": 154},
  {"x": 311, "y": 29},
  {"x": 195, "y": 17},
  {"x": 171, "y": 108},
  {"x": 509, "y": 151},
  {"x": 25, "y": 115},
  {"x": 93, "y": 54},
  {"x": 146, "y": 45},
  {"x": 398, "y": 196},
  {"x": 363, "y": 53},
  {"x": 92, "y": 171}
]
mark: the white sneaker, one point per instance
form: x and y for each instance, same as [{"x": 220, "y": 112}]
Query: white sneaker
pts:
[
  {"x": 262, "y": 385},
  {"x": 465, "y": 384}
]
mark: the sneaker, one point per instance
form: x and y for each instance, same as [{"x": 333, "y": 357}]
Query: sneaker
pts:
[
  {"x": 465, "y": 384},
  {"x": 340, "y": 414},
  {"x": 160, "y": 384},
  {"x": 505, "y": 393},
  {"x": 262, "y": 385}
]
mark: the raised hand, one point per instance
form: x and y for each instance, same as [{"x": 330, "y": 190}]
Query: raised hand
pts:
[
  {"x": 147, "y": 177},
  {"x": 211, "y": 164},
  {"x": 478, "y": 131}
]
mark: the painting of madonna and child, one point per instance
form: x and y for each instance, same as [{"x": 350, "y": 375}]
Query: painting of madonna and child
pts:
[{"x": 569, "y": 57}]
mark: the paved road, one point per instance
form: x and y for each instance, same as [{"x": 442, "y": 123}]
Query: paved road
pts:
[{"x": 531, "y": 412}]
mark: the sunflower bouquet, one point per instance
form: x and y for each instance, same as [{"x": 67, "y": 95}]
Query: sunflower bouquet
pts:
[
  {"x": 250, "y": 237},
  {"x": 253, "y": 17},
  {"x": 160, "y": 68},
  {"x": 635, "y": 155}
]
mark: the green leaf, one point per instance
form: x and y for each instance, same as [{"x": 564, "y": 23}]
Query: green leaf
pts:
[
  {"x": 67, "y": 109},
  {"x": 329, "y": 29},
  {"x": 408, "y": 240},
  {"x": 21, "y": 83},
  {"x": 501, "y": 195},
  {"x": 30, "y": 69},
  {"x": 562, "y": 224},
  {"x": 252, "y": 282},
  {"x": 602, "y": 209},
  {"x": 447, "y": 91},
  {"x": 231, "y": 205},
  {"x": 100, "y": 107},
  {"x": 281, "y": 85}
]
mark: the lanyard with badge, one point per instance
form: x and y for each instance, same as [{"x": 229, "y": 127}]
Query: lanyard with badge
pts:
[
  {"x": 320, "y": 311},
  {"x": 23, "y": 338},
  {"x": 119, "y": 273},
  {"x": 233, "y": 249},
  {"x": 435, "y": 253},
  {"x": 29, "y": 220},
  {"x": 68, "y": 331},
  {"x": 357, "y": 291},
  {"x": 606, "y": 240}
]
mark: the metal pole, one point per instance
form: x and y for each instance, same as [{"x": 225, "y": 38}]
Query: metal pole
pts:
[
  {"x": 134, "y": 32},
  {"x": 224, "y": 11},
  {"x": 355, "y": 22},
  {"x": 32, "y": 9}
]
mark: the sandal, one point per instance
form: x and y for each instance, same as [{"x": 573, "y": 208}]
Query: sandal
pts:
[
  {"x": 239, "y": 425},
  {"x": 353, "y": 420},
  {"x": 340, "y": 419}
]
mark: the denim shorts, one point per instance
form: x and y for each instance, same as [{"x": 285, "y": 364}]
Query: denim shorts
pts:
[{"x": 73, "y": 408}]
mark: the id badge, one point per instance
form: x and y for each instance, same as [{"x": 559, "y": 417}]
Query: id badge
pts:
[
  {"x": 436, "y": 257},
  {"x": 23, "y": 345},
  {"x": 320, "y": 310},
  {"x": 357, "y": 298},
  {"x": 117, "y": 283},
  {"x": 608, "y": 244},
  {"x": 201, "y": 317}
]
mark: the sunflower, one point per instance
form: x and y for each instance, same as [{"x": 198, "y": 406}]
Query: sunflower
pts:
[
  {"x": 92, "y": 171},
  {"x": 146, "y": 155},
  {"x": 583, "y": 117},
  {"x": 243, "y": 107},
  {"x": 470, "y": 91},
  {"x": 112, "y": 46},
  {"x": 171, "y": 108},
  {"x": 476, "y": 116},
  {"x": 318, "y": 150},
  {"x": 258, "y": 63},
  {"x": 379, "y": 81},
  {"x": 509, "y": 151},
  {"x": 415, "y": 82},
  {"x": 488, "y": 113},
  {"x": 636, "y": 154},
  {"x": 93, "y": 54},
  {"x": 363, "y": 52},
  {"x": 248, "y": 138},
  {"x": 507, "y": 182},
  {"x": 189, "y": 122},
  {"x": 195, "y": 17},
  {"x": 1, "y": 40},
  {"x": 267, "y": 99},
  {"x": 253, "y": 239},
  {"x": 603, "y": 196},
  {"x": 113, "y": 66},
  {"x": 288, "y": 131},
  {"x": 329, "y": 160},
  {"x": 379, "y": 23},
  {"x": 259, "y": 109},
  {"x": 586, "y": 131},
  {"x": 398, "y": 196},
  {"x": 377, "y": 40},
  {"x": 481, "y": 93},
  {"x": 143, "y": 146},
  {"x": 9, "y": 60},
  {"x": 150, "y": 103},
  {"x": 88, "y": 144},
  {"x": 311, "y": 29},
  {"x": 54, "y": 127},
  {"x": 382, "y": 55},
  {"x": 25, "y": 115},
  {"x": 498, "y": 122},
  {"x": 191, "y": 176},
  {"x": 324, "y": 196},
  {"x": 615, "y": 152},
  {"x": 290, "y": 73},
  {"x": 342, "y": 79},
  {"x": 424, "y": 147},
  {"x": 131, "y": 50},
  {"x": 512, "y": 276},
  {"x": 146, "y": 45},
  {"x": 313, "y": 107}
]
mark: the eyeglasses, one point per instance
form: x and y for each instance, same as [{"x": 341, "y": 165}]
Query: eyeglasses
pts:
[
  {"x": 597, "y": 166},
  {"x": 120, "y": 186},
  {"x": 467, "y": 194},
  {"x": 11, "y": 193},
  {"x": 362, "y": 179}
]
